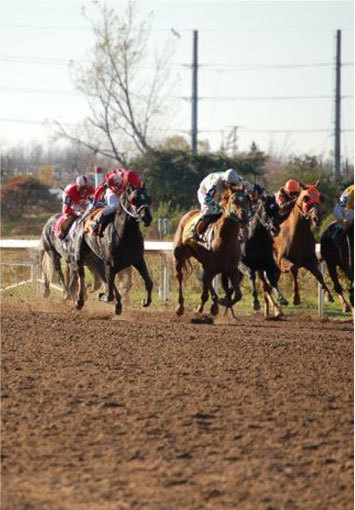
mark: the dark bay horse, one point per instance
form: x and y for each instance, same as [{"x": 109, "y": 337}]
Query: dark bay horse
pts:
[
  {"x": 54, "y": 250},
  {"x": 257, "y": 252},
  {"x": 339, "y": 255},
  {"x": 222, "y": 255},
  {"x": 121, "y": 246},
  {"x": 295, "y": 245}
]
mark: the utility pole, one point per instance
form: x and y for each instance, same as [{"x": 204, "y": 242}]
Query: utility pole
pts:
[
  {"x": 337, "y": 133},
  {"x": 194, "y": 93}
]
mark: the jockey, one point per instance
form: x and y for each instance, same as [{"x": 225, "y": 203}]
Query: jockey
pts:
[
  {"x": 344, "y": 213},
  {"x": 115, "y": 183},
  {"x": 209, "y": 194},
  {"x": 344, "y": 210},
  {"x": 76, "y": 197},
  {"x": 287, "y": 196}
]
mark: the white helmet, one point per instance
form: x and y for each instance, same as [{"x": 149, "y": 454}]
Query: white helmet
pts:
[
  {"x": 115, "y": 180},
  {"x": 231, "y": 177},
  {"x": 82, "y": 181}
]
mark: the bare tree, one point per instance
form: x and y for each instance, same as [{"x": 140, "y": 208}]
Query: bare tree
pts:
[{"x": 125, "y": 96}]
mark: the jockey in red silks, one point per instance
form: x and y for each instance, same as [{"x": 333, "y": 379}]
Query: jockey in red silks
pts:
[
  {"x": 287, "y": 195},
  {"x": 115, "y": 183},
  {"x": 76, "y": 197}
]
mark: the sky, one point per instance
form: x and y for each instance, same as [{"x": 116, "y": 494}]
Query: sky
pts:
[{"x": 266, "y": 70}]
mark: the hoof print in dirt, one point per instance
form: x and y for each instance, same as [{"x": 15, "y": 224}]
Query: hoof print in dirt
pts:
[{"x": 203, "y": 319}]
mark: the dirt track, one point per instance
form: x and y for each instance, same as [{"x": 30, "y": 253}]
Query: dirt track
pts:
[{"x": 148, "y": 411}]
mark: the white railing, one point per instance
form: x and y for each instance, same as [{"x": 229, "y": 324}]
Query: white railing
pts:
[{"x": 162, "y": 247}]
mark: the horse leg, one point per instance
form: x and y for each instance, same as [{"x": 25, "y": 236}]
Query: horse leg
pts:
[
  {"x": 142, "y": 269},
  {"x": 214, "y": 296},
  {"x": 207, "y": 283},
  {"x": 81, "y": 291},
  {"x": 112, "y": 291},
  {"x": 337, "y": 287},
  {"x": 234, "y": 276},
  {"x": 109, "y": 296},
  {"x": 179, "y": 274},
  {"x": 269, "y": 300},
  {"x": 296, "y": 293},
  {"x": 272, "y": 274},
  {"x": 256, "y": 303},
  {"x": 312, "y": 266}
]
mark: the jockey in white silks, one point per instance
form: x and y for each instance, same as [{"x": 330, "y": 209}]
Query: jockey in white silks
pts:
[{"x": 209, "y": 195}]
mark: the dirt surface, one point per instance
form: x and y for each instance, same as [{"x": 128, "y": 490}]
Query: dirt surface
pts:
[{"x": 148, "y": 411}]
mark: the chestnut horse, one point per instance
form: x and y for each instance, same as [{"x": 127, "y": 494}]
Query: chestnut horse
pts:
[
  {"x": 221, "y": 255},
  {"x": 295, "y": 245}
]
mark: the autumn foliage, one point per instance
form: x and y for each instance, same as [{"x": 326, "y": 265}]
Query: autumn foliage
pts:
[{"x": 23, "y": 195}]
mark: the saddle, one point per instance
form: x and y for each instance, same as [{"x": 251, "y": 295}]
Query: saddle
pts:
[
  {"x": 207, "y": 237},
  {"x": 90, "y": 219}
]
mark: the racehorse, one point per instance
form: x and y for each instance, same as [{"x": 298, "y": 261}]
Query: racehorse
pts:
[
  {"x": 220, "y": 255},
  {"x": 120, "y": 246},
  {"x": 295, "y": 245},
  {"x": 339, "y": 255},
  {"x": 53, "y": 250},
  {"x": 257, "y": 252}
]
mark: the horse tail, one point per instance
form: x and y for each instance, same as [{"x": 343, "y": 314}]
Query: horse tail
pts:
[
  {"x": 180, "y": 249},
  {"x": 46, "y": 264}
]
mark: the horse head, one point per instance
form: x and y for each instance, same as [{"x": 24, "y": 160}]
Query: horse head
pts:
[
  {"x": 268, "y": 213},
  {"x": 139, "y": 205},
  {"x": 309, "y": 203},
  {"x": 237, "y": 205}
]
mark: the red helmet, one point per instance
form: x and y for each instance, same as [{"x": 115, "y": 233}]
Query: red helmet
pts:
[
  {"x": 82, "y": 182},
  {"x": 292, "y": 186},
  {"x": 131, "y": 178}
]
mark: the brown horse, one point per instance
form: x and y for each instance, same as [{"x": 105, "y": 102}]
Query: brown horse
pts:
[
  {"x": 295, "y": 245},
  {"x": 220, "y": 255}
]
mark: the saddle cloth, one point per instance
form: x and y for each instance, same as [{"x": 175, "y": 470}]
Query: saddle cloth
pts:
[
  {"x": 188, "y": 230},
  {"x": 90, "y": 219}
]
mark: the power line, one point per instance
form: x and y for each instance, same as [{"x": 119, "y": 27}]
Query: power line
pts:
[
  {"x": 246, "y": 130},
  {"x": 27, "y": 90},
  {"x": 19, "y": 59}
]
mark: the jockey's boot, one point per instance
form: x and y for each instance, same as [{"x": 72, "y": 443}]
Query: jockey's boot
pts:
[
  {"x": 96, "y": 230},
  {"x": 65, "y": 227},
  {"x": 200, "y": 228}
]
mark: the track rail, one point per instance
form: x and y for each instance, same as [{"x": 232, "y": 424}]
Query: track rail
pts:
[{"x": 162, "y": 247}]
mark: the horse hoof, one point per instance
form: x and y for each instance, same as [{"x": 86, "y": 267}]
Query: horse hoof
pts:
[
  {"x": 224, "y": 301},
  {"x": 46, "y": 293},
  {"x": 346, "y": 309},
  {"x": 214, "y": 309},
  {"x": 330, "y": 299},
  {"x": 256, "y": 305},
  {"x": 146, "y": 302},
  {"x": 283, "y": 301},
  {"x": 79, "y": 304},
  {"x": 179, "y": 311},
  {"x": 297, "y": 301},
  {"x": 118, "y": 308}
]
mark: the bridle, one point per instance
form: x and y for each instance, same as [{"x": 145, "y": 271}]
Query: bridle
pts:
[{"x": 133, "y": 214}]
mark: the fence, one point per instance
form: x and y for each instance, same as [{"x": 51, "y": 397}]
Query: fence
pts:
[{"x": 161, "y": 247}]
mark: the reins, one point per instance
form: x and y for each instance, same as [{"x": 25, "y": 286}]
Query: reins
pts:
[{"x": 133, "y": 215}]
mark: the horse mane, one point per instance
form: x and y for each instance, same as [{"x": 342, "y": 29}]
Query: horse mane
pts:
[{"x": 227, "y": 194}]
